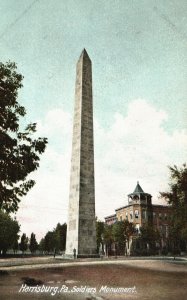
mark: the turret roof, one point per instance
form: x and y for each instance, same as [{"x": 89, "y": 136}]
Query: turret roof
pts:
[{"x": 138, "y": 189}]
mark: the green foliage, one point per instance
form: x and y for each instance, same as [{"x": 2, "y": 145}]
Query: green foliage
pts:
[
  {"x": 150, "y": 236},
  {"x": 9, "y": 230},
  {"x": 118, "y": 230},
  {"x": 19, "y": 151},
  {"x": 145, "y": 242},
  {"x": 108, "y": 238},
  {"x": 60, "y": 232},
  {"x": 50, "y": 241},
  {"x": 41, "y": 246},
  {"x": 177, "y": 198},
  {"x": 15, "y": 246},
  {"x": 54, "y": 240},
  {"x": 119, "y": 234},
  {"x": 129, "y": 229},
  {"x": 33, "y": 246},
  {"x": 122, "y": 231},
  {"x": 24, "y": 243},
  {"x": 108, "y": 234},
  {"x": 99, "y": 233}
]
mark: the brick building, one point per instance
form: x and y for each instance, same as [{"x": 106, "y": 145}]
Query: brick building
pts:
[{"x": 141, "y": 211}]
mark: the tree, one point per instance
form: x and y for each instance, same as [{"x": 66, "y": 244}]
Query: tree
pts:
[
  {"x": 15, "y": 247},
  {"x": 122, "y": 232},
  {"x": 19, "y": 151},
  {"x": 33, "y": 246},
  {"x": 129, "y": 230},
  {"x": 9, "y": 230},
  {"x": 177, "y": 198},
  {"x": 149, "y": 236},
  {"x": 41, "y": 246},
  {"x": 50, "y": 241},
  {"x": 99, "y": 234},
  {"x": 60, "y": 233},
  {"x": 24, "y": 243},
  {"x": 118, "y": 236},
  {"x": 54, "y": 240},
  {"x": 108, "y": 238}
]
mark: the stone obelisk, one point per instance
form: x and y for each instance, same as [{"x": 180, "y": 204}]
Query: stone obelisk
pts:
[{"x": 81, "y": 231}]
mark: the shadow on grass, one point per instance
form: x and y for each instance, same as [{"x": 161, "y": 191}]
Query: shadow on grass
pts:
[
  {"x": 3, "y": 273},
  {"x": 31, "y": 281}
]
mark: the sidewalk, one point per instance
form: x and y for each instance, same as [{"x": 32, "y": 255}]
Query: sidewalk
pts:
[{"x": 157, "y": 263}]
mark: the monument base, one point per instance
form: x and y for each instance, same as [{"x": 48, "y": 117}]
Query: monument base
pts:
[
  {"x": 71, "y": 256},
  {"x": 88, "y": 256},
  {"x": 67, "y": 256}
]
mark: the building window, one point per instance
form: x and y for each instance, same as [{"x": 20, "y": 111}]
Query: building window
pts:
[
  {"x": 149, "y": 215},
  {"x": 126, "y": 215},
  {"x": 164, "y": 230},
  {"x": 137, "y": 228},
  {"x": 131, "y": 215},
  {"x": 136, "y": 213},
  {"x": 136, "y": 197},
  {"x": 143, "y": 214},
  {"x": 167, "y": 231},
  {"x": 137, "y": 245},
  {"x": 165, "y": 217},
  {"x": 154, "y": 215},
  {"x": 160, "y": 216},
  {"x": 120, "y": 218}
]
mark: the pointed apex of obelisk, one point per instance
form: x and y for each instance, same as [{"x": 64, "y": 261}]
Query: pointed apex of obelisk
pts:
[{"x": 84, "y": 54}]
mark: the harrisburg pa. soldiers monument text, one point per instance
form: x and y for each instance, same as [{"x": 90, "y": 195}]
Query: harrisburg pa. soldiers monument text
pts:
[{"x": 81, "y": 231}]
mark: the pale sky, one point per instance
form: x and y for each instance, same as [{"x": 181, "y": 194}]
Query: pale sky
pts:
[{"x": 139, "y": 57}]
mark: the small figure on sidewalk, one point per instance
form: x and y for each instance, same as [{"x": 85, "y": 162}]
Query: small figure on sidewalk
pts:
[
  {"x": 54, "y": 252},
  {"x": 74, "y": 253}
]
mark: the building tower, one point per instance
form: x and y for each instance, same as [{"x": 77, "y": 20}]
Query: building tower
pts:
[
  {"x": 138, "y": 196},
  {"x": 144, "y": 201},
  {"x": 81, "y": 231}
]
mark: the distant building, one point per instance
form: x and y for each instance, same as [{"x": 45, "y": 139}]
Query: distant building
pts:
[{"x": 140, "y": 211}]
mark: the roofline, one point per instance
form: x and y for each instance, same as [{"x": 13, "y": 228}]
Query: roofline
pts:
[
  {"x": 137, "y": 193},
  {"x": 110, "y": 216},
  {"x": 160, "y": 205},
  {"x": 123, "y": 207},
  {"x": 153, "y": 205}
]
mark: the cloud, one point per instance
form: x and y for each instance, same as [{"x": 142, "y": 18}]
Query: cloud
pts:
[
  {"x": 47, "y": 202},
  {"x": 56, "y": 121},
  {"x": 136, "y": 146}
]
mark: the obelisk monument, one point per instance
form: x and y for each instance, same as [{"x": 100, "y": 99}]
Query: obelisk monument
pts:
[{"x": 81, "y": 231}]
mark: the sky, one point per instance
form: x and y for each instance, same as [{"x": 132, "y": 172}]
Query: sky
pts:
[{"x": 138, "y": 53}]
